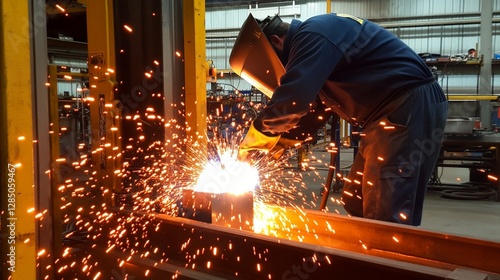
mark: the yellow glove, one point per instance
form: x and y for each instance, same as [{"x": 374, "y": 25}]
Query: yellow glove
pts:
[{"x": 256, "y": 140}]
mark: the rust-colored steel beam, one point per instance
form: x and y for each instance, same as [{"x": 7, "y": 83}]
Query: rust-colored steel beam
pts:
[
  {"x": 392, "y": 241},
  {"x": 330, "y": 247}
]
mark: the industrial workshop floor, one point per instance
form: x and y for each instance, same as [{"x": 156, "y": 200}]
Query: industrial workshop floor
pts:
[{"x": 478, "y": 218}]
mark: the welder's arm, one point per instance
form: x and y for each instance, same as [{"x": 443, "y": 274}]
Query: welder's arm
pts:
[
  {"x": 311, "y": 61},
  {"x": 277, "y": 144},
  {"x": 310, "y": 64}
]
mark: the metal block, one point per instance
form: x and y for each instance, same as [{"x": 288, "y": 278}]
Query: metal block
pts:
[
  {"x": 196, "y": 206},
  {"x": 233, "y": 210},
  {"x": 224, "y": 209}
]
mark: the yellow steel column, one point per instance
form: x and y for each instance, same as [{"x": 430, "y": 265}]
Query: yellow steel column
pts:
[
  {"x": 19, "y": 251},
  {"x": 104, "y": 114},
  {"x": 195, "y": 69},
  {"x": 328, "y": 6}
]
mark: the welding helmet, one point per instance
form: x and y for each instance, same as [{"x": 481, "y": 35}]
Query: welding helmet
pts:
[
  {"x": 253, "y": 57},
  {"x": 269, "y": 25}
]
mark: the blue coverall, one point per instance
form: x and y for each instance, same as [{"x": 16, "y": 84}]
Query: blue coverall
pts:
[{"x": 352, "y": 67}]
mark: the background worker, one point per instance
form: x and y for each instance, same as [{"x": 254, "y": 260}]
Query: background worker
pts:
[{"x": 342, "y": 64}]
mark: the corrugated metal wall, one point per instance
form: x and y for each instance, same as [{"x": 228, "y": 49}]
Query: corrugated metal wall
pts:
[{"x": 222, "y": 25}]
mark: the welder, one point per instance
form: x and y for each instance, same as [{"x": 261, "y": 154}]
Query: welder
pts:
[{"x": 349, "y": 66}]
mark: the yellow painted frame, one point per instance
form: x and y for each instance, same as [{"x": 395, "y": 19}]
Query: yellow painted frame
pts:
[
  {"x": 104, "y": 112},
  {"x": 195, "y": 70},
  {"x": 16, "y": 136}
]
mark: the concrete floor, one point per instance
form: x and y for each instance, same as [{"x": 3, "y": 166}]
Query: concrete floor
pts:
[{"x": 478, "y": 218}]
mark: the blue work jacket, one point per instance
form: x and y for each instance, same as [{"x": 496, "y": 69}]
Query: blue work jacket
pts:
[{"x": 351, "y": 65}]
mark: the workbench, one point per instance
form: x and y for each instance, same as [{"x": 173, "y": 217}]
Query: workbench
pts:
[{"x": 479, "y": 150}]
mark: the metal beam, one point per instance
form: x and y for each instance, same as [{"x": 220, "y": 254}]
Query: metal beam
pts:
[
  {"x": 173, "y": 67},
  {"x": 104, "y": 114},
  {"x": 233, "y": 32},
  {"x": 436, "y": 23},
  {"x": 388, "y": 240},
  {"x": 55, "y": 168},
  {"x": 384, "y": 244},
  {"x": 45, "y": 199},
  {"x": 19, "y": 250},
  {"x": 485, "y": 46},
  {"x": 315, "y": 245},
  {"x": 473, "y": 97},
  {"x": 195, "y": 70}
]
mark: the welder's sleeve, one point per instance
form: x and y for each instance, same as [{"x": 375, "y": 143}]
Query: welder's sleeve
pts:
[
  {"x": 307, "y": 127},
  {"x": 311, "y": 62},
  {"x": 256, "y": 140}
]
